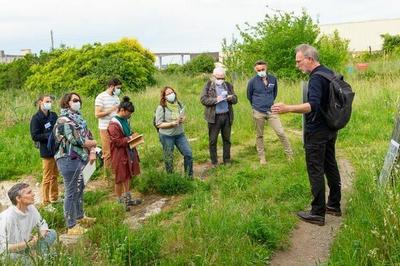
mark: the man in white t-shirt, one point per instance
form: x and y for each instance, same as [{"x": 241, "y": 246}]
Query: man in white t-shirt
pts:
[
  {"x": 18, "y": 224},
  {"x": 106, "y": 107}
]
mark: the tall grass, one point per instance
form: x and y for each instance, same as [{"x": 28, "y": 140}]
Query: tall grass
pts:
[
  {"x": 370, "y": 235},
  {"x": 243, "y": 212}
]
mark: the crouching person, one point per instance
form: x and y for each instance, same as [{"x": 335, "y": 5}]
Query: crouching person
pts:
[{"x": 22, "y": 229}]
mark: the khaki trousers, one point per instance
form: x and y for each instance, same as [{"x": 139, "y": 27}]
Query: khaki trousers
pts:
[
  {"x": 275, "y": 123},
  {"x": 49, "y": 182},
  {"x": 105, "y": 145}
]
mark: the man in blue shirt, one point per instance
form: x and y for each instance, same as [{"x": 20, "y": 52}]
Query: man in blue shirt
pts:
[
  {"x": 319, "y": 139},
  {"x": 218, "y": 97},
  {"x": 261, "y": 92}
]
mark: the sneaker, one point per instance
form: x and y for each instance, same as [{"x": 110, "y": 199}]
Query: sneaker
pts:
[
  {"x": 76, "y": 230},
  {"x": 59, "y": 200},
  {"x": 86, "y": 221},
  {"x": 213, "y": 165},
  {"x": 333, "y": 211},
  {"x": 311, "y": 218}
]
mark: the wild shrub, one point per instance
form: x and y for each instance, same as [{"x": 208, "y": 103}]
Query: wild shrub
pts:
[
  {"x": 202, "y": 63},
  {"x": 88, "y": 69},
  {"x": 275, "y": 38},
  {"x": 390, "y": 42},
  {"x": 14, "y": 74}
]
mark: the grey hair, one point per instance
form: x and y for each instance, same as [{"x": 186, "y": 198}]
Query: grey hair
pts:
[
  {"x": 308, "y": 51},
  {"x": 15, "y": 191}
]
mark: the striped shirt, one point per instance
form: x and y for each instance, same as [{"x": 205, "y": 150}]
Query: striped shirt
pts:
[{"x": 106, "y": 101}]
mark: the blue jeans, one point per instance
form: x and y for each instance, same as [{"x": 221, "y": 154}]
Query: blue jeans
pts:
[
  {"x": 45, "y": 242},
  {"x": 180, "y": 141},
  {"x": 71, "y": 170},
  {"x": 42, "y": 247}
]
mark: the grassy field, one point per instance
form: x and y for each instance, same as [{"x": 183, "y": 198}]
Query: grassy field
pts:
[{"x": 242, "y": 212}]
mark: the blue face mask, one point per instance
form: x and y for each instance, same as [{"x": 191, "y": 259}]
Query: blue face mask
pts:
[{"x": 47, "y": 106}]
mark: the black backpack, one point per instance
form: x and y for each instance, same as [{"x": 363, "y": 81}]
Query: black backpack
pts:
[
  {"x": 154, "y": 116},
  {"x": 55, "y": 138},
  {"x": 337, "y": 113}
]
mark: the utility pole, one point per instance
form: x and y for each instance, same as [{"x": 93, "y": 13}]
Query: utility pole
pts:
[{"x": 52, "y": 40}]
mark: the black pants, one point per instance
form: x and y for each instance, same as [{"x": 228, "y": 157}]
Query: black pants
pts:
[
  {"x": 320, "y": 159},
  {"x": 221, "y": 124}
]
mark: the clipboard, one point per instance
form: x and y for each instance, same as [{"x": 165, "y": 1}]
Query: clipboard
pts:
[
  {"x": 136, "y": 140},
  {"x": 88, "y": 171}
]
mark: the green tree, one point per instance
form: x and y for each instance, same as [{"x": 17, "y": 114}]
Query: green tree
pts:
[
  {"x": 13, "y": 75},
  {"x": 202, "y": 63},
  {"x": 275, "y": 40},
  {"x": 390, "y": 42}
]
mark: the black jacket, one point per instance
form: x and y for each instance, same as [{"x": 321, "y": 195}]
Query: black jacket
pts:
[
  {"x": 318, "y": 93},
  {"x": 41, "y": 126},
  {"x": 209, "y": 99}
]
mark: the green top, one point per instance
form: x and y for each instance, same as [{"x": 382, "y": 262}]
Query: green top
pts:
[{"x": 169, "y": 116}]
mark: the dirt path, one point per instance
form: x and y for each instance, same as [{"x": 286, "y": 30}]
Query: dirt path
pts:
[{"x": 310, "y": 244}]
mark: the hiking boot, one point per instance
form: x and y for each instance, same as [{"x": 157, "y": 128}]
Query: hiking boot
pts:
[
  {"x": 311, "y": 218},
  {"x": 134, "y": 202},
  {"x": 86, "y": 221},
  {"x": 76, "y": 230},
  {"x": 129, "y": 201},
  {"x": 333, "y": 211}
]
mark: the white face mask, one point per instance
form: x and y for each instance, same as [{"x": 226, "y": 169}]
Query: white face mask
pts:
[
  {"x": 219, "y": 81},
  {"x": 170, "y": 97},
  {"x": 117, "y": 91},
  {"x": 46, "y": 106},
  {"x": 76, "y": 106},
  {"x": 262, "y": 73}
]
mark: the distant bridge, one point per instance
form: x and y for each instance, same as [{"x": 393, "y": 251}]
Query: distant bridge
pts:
[
  {"x": 8, "y": 58},
  {"x": 215, "y": 55}
]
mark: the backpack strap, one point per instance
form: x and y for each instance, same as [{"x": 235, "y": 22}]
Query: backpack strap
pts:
[
  {"x": 164, "y": 113},
  {"x": 329, "y": 77}
]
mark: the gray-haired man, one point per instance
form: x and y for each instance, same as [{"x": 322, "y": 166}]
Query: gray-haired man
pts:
[
  {"x": 18, "y": 223},
  {"x": 218, "y": 97}
]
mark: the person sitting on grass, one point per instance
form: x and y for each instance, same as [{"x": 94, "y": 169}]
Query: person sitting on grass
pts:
[{"x": 18, "y": 224}]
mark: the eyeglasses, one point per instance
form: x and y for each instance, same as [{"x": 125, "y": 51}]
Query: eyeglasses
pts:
[
  {"x": 299, "y": 61},
  {"x": 76, "y": 100}
]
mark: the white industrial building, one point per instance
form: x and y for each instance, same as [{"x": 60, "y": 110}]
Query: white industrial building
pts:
[{"x": 364, "y": 35}]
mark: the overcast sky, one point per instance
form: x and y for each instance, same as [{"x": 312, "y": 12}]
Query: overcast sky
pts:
[{"x": 160, "y": 25}]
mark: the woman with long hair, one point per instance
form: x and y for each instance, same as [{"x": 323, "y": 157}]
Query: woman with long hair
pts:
[{"x": 169, "y": 119}]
